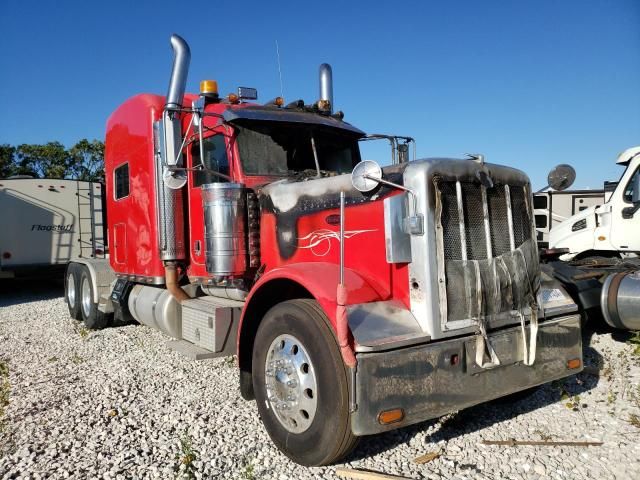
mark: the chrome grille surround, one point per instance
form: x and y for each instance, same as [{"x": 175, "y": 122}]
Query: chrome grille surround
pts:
[{"x": 477, "y": 259}]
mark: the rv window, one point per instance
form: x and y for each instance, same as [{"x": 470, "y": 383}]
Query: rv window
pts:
[
  {"x": 539, "y": 201},
  {"x": 541, "y": 221},
  {"x": 121, "y": 180}
]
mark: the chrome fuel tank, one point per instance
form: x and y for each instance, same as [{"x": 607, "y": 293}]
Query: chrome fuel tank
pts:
[
  {"x": 225, "y": 217},
  {"x": 620, "y": 300}
]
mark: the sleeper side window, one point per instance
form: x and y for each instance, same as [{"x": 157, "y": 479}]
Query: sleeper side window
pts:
[
  {"x": 121, "y": 181},
  {"x": 215, "y": 159}
]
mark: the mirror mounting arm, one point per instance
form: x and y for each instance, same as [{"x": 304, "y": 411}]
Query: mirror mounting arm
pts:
[{"x": 415, "y": 223}]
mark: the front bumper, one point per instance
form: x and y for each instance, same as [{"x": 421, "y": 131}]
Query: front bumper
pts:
[{"x": 422, "y": 381}]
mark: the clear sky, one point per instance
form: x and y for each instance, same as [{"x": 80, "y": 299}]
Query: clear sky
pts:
[{"x": 528, "y": 84}]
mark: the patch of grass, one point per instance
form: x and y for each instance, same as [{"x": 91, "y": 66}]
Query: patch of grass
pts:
[
  {"x": 634, "y": 420},
  {"x": 248, "y": 472},
  {"x": 77, "y": 359},
  {"x": 634, "y": 341},
  {"x": 52, "y": 359},
  {"x": 5, "y": 391},
  {"x": 83, "y": 332},
  {"x": 184, "y": 466},
  {"x": 543, "y": 435}
]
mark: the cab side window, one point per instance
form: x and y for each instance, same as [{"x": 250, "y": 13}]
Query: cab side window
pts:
[
  {"x": 121, "y": 181},
  {"x": 215, "y": 159},
  {"x": 627, "y": 195}
]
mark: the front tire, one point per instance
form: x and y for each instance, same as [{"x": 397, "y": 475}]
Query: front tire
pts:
[
  {"x": 301, "y": 384},
  {"x": 93, "y": 318}
]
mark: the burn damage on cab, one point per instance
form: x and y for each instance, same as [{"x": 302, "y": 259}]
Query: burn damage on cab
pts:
[{"x": 289, "y": 201}]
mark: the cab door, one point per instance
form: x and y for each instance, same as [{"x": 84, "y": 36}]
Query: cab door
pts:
[
  {"x": 625, "y": 214},
  {"x": 203, "y": 171}
]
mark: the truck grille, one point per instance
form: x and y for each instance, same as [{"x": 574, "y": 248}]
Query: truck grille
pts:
[
  {"x": 486, "y": 247},
  {"x": 477, "y": 238}
]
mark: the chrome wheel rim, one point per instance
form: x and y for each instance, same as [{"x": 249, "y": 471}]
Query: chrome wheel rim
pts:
[
  {"x": 292, "y": 389},
  {"x": 71, "y": 290},
  {"x": 86, "y": 297}
]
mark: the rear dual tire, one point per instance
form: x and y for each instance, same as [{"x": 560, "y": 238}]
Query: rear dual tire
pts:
[{"x": 79, "y": 293}]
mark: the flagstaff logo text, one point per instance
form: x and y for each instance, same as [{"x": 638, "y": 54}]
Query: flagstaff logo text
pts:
[{"x": 52, "y": 228}]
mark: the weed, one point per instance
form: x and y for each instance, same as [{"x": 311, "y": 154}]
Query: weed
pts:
[
  {"x": 634, "y": 341},
  {"x": 52, "y": 359},
  {"x": 83, "y": 332},
  {"x": 230, "y": 361},
  {"x": 543, "y": 436},
  {"x": 5, "y": 390},
  {"x": 612, "y": 397},
  {"x": 77, "y": 359},
  {"x": 634, "y": 420},
  {"x": 185, "y": 459},
  {"x": 247, "y": 470}
]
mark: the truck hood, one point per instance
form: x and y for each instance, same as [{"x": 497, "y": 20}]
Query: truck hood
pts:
[{"x": 563, "y": 235}]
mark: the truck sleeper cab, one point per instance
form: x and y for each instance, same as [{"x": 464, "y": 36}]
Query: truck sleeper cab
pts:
[{"x": 355, "y": 304}]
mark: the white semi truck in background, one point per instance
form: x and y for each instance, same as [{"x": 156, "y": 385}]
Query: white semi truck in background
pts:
[
  {"x": 48, "y": 222},
  {"x": 599, "y": 250}
]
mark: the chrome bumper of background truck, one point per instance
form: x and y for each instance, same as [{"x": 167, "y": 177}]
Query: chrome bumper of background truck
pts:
[{"x": 422, "y": 381}]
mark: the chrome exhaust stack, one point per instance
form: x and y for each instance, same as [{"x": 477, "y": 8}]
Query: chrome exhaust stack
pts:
[
  {"x": 169, "y": 177},
  {"x": 326, "y": 85},
  {"x": 175, "y": 94}
]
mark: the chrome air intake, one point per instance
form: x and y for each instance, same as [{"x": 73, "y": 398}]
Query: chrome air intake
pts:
[{"x": 225, "y": 214}]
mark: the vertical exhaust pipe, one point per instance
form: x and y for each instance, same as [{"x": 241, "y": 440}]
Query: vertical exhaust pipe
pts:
[
  {"x": 169, "y": 196},
  {"x": 326, "y": 84},
  {"x": 175, "y": 94},
  {"x": 178, "y": 82}
]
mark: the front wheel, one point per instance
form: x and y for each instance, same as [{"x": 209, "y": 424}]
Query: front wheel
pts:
[{"x": 301, "y": 384}]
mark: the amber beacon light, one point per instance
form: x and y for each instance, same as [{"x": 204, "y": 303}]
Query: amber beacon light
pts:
[{"x": 209, "y": 87}]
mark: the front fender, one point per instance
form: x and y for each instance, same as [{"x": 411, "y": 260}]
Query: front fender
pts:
[{"x": 320, "y": 279}]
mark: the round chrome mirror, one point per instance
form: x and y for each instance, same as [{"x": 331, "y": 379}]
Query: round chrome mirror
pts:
[
  {"x": 174, "y": 180},
  {"x": 365, "y": 176},
  {"x": 561, "y": 177}
]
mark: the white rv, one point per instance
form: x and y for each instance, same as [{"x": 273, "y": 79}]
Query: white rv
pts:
[
  {"x": 47, "y": 222},
  {"x": 552, "y": 208}
]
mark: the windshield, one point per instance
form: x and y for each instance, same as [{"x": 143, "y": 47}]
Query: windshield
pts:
[{"x": 279, "y": 148}]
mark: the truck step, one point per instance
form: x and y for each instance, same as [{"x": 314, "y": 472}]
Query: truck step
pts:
[{"x": 191, "y": 351}]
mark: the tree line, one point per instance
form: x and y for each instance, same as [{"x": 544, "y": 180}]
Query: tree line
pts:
[{"x": 83, "y": 161}]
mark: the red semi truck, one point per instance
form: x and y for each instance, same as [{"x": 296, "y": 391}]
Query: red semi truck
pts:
[{"x": 357, "y": 299}]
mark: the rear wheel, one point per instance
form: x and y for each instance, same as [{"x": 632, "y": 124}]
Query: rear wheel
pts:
[
  {"x": 92, "y": 317},
  {"x": 71, "y": 288},
  {"x": 301, "y": 384}
]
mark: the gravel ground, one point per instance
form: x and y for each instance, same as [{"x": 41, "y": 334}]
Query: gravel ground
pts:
[{"x": 117, "y": 404}]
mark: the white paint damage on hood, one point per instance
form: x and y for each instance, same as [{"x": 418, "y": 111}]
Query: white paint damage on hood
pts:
[{"x": 285, "y": 194}]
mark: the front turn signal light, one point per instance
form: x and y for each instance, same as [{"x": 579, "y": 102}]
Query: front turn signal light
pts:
[
  {"x": 387, "y": 417},
  {"x": 574, "y": 363}
]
